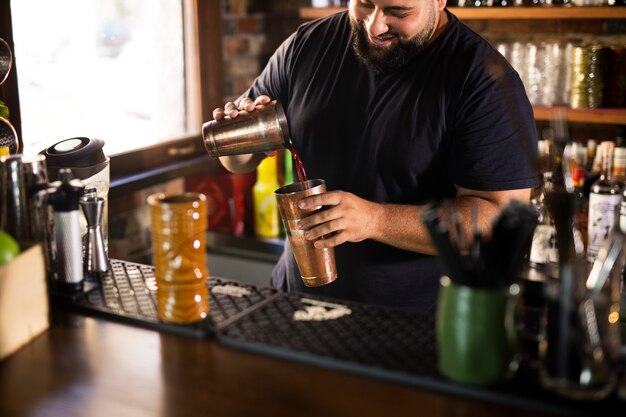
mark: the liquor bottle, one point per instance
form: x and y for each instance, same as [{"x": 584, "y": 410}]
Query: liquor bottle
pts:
[
  {"x": 596, "y": 166},
  {"x": 577, "y": 165},
  {"x": 620, "y": 140},
  {"x": 604, "y": 201},
  {"x": 591, "y": 153},
  {"x": 619, "y": 159},
  {"x": 266, "y": 217},
  {"x": 543, "y": 250}
]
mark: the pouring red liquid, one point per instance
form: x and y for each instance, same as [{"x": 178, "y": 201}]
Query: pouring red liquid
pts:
[{"x": 299, "y": 165}]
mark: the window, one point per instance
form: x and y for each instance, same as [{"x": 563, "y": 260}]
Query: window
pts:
[{"x": 112, "y": 69}]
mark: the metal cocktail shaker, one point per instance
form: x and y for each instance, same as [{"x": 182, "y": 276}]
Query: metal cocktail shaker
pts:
[{"x": 264, "y": 129}]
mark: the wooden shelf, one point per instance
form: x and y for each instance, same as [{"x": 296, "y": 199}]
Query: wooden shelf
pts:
[
  {"x": 509, "y": 13},
  {"x": 614, "y": 116},
  {"x": 504, "y": 13}
]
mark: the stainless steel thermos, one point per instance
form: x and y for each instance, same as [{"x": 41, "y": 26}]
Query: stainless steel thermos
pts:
[{"x": 64, "y": 196}]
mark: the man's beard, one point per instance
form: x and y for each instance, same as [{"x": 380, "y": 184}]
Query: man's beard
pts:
[{"x": 386, "y": 59}]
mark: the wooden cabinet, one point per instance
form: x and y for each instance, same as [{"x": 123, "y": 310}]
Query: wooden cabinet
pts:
[{"x": 606, "y": 116}]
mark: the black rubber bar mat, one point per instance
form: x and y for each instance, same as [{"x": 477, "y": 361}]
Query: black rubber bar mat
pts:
[
  {"x": 379, "y": 342},
  {"x": 127, "y": 293}
]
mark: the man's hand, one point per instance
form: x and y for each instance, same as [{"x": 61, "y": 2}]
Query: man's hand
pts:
[
  {"x": 247, "y": 104},
  {"x": 345, "y": 218},
  {"x": 231, "y": 110}
]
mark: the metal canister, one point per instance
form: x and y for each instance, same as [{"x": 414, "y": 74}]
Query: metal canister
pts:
[
  {"x": 587, "y": 76},
  {"x": 23, "y": 210},
  {"x": 261, "y": 130}
]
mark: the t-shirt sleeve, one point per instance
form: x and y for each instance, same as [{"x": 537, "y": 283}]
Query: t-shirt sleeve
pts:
[{"x": 493, "y": 146}]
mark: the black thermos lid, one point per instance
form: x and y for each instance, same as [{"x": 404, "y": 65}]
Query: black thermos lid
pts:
[
  {"x": 85, "y": 156},
  {"x": 64, "y": 194}
]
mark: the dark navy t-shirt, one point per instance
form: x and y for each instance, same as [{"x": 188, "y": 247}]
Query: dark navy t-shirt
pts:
[{"x": 456, "y": 114}]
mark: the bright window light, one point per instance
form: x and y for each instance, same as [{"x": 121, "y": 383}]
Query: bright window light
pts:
[{"x": 109, "y": 69}]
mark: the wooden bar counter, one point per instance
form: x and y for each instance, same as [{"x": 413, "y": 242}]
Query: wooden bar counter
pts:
[{"x": 84, "y": 366}]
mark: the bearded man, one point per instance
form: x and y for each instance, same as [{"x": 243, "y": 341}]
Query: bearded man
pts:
[{"x": 394, "y": 103}]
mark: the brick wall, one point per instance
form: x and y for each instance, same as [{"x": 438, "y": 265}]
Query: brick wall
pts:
[
  {"x": 253, "y": 29},
  {"x": 243, "y": 42}
]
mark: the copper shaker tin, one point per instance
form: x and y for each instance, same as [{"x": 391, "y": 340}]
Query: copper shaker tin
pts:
[
  {"x": 264, "y": 129},
  {"x": 317, "y": 265}
]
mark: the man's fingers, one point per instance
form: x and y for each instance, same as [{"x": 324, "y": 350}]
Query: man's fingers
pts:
[
  {"x": 218, "y": 113},
  {"x": 331, "y": 198},
  {"x": 230, "y": 109},
  {"x": 246, "y": 104},
  {"x": 262, "y": 99},
  {"x": 324, "y": 229},
  {"x": 330, "y": 242},
  {"x": 320, "y": 221}
]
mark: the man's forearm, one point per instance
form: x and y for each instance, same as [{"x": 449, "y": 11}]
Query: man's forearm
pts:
[{"x": 402, "y": 225}]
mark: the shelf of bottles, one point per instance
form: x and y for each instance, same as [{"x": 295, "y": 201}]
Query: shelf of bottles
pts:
[{"x": 505, "y": 13}]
